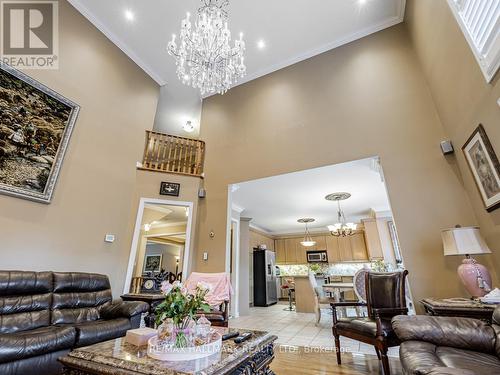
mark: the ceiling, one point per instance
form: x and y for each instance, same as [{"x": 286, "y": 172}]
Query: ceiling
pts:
[
  {"x": 275, "y": 203},
  {"x": 159, "y": 215},
  {"x": 293, "y": 30}
]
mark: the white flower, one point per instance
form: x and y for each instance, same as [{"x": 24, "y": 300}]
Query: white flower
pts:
[
  {"x": 166, "y": 287},
  {"x": 203, "y": 286}
]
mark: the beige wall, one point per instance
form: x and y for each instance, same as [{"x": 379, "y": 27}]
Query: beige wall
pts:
[
  {"x": 363, "y": 99},
  {"x": 462, "y": 96},
  {"x": 95, "y": 190}
]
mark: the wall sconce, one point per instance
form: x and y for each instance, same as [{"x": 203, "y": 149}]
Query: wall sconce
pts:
[{"x": 188, "y": 127}]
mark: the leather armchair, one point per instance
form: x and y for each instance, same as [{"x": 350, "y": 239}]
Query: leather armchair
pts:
[
  {"x": 386, "y": 297},
  {"x": 448, "y": 345},
  {"x": 43, "y": 315}
]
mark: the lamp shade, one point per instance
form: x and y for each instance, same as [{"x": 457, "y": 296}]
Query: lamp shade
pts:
[{"x": 463, "y": 241}]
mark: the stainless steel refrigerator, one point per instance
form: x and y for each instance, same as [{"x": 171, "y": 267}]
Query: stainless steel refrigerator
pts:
[{"x": 264, "y": 278}]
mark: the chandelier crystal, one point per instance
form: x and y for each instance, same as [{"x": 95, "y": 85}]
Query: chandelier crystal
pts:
[
  {"x": 341, "y": 228},
  {"x": 308, "y": 241},
  {"x": 204, "y": 57}
]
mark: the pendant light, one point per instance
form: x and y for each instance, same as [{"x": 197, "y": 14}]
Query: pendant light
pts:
[{"x": 308, "y": 241}]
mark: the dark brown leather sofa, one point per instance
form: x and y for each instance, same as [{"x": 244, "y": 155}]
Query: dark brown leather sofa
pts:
[
  {"x": 445, "y": 345},
  {"x": 43, "y": 315}
]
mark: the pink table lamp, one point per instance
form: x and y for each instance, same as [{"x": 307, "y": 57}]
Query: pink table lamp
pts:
[{"x": 468, "y": 241}]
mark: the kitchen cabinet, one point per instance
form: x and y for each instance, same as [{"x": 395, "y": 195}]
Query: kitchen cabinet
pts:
[
  {"x": 291, "y": 250},
  {"x": 345, "y": 249},
  {"x": 358, "y": 247},
  {"x": 372, "y": 237},
  {"x": 279, "y": 246},
  {"x": 332, "y": 249}
]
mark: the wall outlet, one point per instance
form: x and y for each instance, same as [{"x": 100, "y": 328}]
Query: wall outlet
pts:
[
  {"x": 205, "y": 256},
  {"x": 109, "y": 238}
]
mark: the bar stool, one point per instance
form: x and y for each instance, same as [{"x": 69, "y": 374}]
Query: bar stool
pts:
[{"x": 290, "y": 287}]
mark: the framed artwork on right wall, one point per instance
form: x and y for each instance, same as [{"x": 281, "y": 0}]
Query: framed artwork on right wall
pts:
[{"x": 483, "y": 163}]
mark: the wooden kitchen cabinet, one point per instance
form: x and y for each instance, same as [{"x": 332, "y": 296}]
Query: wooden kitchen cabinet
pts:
[
  {"x": 291, "y": 250},
  {"x": 279, "y": 246},
  {"x": 358, "y": 247},
  {"x": 372, "y": 238},
  {"x": 332, "y": 249},
  {"x": 345, "y": 249}
]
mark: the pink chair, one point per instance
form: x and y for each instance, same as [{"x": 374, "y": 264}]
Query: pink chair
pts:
[{"x": 218, "y": 296}]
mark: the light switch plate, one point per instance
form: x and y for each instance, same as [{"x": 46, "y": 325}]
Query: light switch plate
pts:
[
  {"x": 205, "y": 256},
  {"x": 109, "y": 238}
]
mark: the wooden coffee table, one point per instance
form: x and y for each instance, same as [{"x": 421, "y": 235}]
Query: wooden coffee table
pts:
[{"x": 116, "y": 357}]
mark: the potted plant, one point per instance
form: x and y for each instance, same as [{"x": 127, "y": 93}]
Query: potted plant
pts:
[{"x": 175, "y": 315}]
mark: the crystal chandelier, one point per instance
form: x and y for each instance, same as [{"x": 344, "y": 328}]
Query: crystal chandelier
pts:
[
  {"x": 341, "y": 228},
  {"x": 308, "y": 241},
  {"x": 204, "y": 57}
]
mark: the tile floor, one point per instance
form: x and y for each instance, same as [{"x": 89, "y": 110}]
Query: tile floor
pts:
[{"x": 298, "y": 329}]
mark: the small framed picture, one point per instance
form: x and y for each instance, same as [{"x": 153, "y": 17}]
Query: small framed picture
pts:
[
  {"x": 170, "y": 188},
  {"x": 483, "y": 163},
  {"x": 152, "y": 263}
]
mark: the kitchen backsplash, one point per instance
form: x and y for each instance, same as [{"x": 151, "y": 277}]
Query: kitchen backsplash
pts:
[{"x": 342, "y": 269}]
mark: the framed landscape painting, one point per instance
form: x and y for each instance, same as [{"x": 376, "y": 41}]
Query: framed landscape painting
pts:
[
  {"x": 35, "y": 128},
  {"x": 483, "y": 163}
]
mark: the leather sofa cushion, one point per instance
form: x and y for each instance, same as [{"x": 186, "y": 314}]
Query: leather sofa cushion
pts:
[
  {"x": 79, "y": 282},
  {"x": 20, "y": 345},
  {"x": 477, "y": 363},
  {"x": 454, "y": 332},
  {"x": 423, "y": 358},
  {"x": 365, "y": 326},
  {"x": 79, "y": 307},
  {"x": 21, "y": 283},
  {"x": 46, "y": 364},
  {"x": 24, "y": 312},
  {"x": 89, "y": 333}
]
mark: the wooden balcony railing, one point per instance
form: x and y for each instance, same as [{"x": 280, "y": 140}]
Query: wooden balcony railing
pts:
[{"x": 173, "y": 154}]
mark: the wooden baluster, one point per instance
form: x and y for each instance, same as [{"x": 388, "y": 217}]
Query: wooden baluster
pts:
[
  {"x": 192, "y": 144},
  {"x": 202, "y": 158},
  {"x": 160, "y": 149},
  {"x": 152, "y": 164},
  {"x": 164, "y": 152},
  {"x": 176, "y": 152},
  {"x": 197, "y": 159},
  {"x": 170, "y": 153},
  {"x": 145, "y": 154},
  {"x": 184, "y": 153}
]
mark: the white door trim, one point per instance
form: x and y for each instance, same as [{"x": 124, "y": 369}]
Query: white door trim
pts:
[{"x": 137, "y": 232}]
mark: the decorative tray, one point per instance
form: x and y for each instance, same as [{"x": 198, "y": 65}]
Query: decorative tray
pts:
[{"x": 167, "y": 353}]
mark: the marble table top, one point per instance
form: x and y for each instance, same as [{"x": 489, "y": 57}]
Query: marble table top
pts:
[
  {"x": 119, "y": 354},
  {"x": 457, "y": 303}
]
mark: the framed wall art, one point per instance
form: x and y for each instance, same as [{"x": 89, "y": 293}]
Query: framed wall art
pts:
[
  {"x": 483, "y": 163},
  {"x": 35, "y": 127},
  {"x": 170, "y": 188}
]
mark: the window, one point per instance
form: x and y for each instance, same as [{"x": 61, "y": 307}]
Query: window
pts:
[{"x": 480, "y": 22}]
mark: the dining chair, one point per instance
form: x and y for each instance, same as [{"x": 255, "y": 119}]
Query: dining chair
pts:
[
  {"x": 320, "y": 299},
  {"x": 385, "y": 298}
]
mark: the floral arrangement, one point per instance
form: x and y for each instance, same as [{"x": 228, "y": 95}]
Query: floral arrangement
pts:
[{"x": 175, "y": 315}]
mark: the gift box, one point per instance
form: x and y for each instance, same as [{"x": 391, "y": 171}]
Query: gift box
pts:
[{"x": 140, "y": 336}]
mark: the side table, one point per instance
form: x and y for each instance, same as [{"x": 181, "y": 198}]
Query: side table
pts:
[
  {"x": 459, "y": 307},
  {"x": 152, "y": 299}
]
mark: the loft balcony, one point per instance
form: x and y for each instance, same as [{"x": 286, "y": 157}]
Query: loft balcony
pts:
[{"x": 172, "y": 154}]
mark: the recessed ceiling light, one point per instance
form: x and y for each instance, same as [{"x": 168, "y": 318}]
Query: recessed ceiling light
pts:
[
  {"x": 362, "y": 2},
  {"x": 129, "y": 15},
  {"x": 261, "y": 44}
]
